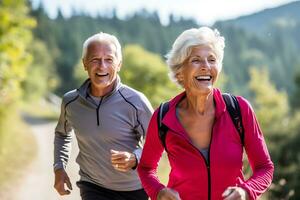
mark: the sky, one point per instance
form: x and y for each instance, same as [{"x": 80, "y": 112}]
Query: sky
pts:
[{"x": 204, "y": 12}]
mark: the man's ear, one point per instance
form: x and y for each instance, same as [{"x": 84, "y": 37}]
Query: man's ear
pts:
[
  {"x": 84, "y": 64},
  {"x": 119, "y": 66}
]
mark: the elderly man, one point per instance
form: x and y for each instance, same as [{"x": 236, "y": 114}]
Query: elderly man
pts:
[{"x": 110, "y": 120}]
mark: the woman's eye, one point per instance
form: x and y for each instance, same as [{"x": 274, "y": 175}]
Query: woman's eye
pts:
[
  {"x": 195, "y": 60},
  {"x": 212, "y": 60}
]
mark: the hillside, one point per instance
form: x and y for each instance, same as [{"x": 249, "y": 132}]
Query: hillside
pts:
[{"x": 286, "y": 15}]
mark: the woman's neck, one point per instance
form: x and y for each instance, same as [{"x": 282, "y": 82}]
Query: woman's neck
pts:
[{"x": 199, "y": 104}]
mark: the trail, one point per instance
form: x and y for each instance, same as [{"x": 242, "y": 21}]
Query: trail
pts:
[{"x": 39, "y": 178}]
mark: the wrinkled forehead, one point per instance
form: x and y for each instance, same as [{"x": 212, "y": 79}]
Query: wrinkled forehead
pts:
[{"x": 104, "y": 47}]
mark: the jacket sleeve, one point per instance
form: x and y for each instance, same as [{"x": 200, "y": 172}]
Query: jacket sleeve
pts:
[
  {"x": 144, "y": 115},
  {"x": 151, "y": 155},
  {"x": 62, "y": 140},
  {"x": 257, "y": 152}
]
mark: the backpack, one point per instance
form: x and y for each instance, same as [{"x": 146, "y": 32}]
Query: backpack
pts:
[{"x": 232, "y": 106}]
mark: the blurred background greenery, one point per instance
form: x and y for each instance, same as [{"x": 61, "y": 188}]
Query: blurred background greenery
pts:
[{"x": 40, "y": 56}]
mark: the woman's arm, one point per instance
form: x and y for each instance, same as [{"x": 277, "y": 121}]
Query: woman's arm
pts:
[
  {"x": 257, "y": 153},
  {"x": 151, "y": 155}
]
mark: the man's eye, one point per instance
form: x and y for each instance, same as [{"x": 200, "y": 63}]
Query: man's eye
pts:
[
  {"x": 110, "y": 60},
  {"x": 94, "y": 61}
]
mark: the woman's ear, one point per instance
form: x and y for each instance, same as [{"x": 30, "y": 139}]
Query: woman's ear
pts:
[{"x": 179, "y": 76}]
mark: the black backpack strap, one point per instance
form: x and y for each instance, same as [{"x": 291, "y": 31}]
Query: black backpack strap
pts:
[
  {"x": 162, "y": 129},
  {"x": 233, "y": 108}
]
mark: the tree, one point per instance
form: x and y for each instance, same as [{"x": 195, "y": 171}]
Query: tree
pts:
[
  {"x": 15, "y": 36},
  {"x": 41, "y": 77},
  {"x": 271, "y": 105},
  {"x": 295, "y": 102},
  {"x": 147, "y": 73},
  {"x": 80, "y": 75},
  {"x": 272, "y": 110}
]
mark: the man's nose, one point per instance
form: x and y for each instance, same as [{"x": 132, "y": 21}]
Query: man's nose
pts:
[{"x": 101, "y": 63}]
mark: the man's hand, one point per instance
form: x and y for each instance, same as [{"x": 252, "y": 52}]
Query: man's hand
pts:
[
  {"x": 123, "y": 161},
  {"x": 168, "y": 194},
  {"x": 61, "y": 178},
  {"x": 235, "y": 193}
]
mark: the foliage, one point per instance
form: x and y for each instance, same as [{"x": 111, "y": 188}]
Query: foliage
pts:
[
  {"x": 147, "y": 72},
  {"x": 281, "y": 132},
  {"x": 41, "y": 77},
  {"x": 286, "y": 179},
  {"x": 15, "y": 36},
  {"x": 296, "y": 94},
  {"x": 271, "y": 105},
  {"x": 80, "y": 75}
]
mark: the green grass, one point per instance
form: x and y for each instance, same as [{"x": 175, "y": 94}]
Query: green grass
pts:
[
  {"x": 163, "y": 169},
  {"x": 17, "y": 149}
]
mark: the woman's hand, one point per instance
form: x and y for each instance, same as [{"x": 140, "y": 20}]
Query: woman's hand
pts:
[
  {"x": 168, "y": 194},
  {"x": 235, "y": 193}
]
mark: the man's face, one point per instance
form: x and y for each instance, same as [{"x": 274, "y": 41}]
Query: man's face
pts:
[{"x": 102, "y": 66}]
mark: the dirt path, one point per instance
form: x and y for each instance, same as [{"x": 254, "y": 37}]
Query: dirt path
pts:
[{"x": 38, "y": 184}]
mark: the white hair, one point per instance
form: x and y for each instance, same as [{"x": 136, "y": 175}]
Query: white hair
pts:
[
  {"x": 103, "y": 38},
  {"x": 186, "y": 41}
]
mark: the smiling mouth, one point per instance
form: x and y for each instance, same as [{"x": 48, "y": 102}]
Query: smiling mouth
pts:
[
  {"x": 203, "y": 78},
  {"x": 101, "y": 74}
]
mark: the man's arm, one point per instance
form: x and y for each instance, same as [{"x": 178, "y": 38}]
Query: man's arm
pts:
[
  {"x": 62, "y": 150},
  {"x": 125, "y": 161},
  {"x": 145, "y": 114}
]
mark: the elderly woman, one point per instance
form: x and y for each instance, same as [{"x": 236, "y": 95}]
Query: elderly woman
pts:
[{"x": 204, "y": 148}]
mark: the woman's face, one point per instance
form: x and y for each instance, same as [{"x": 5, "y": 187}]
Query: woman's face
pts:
[{"x": 199, "y": 71}]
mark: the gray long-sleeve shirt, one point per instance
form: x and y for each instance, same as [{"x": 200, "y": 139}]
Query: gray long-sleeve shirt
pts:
[{"x": 118, "y": 122}]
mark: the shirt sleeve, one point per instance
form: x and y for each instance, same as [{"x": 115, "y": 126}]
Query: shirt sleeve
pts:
[
  {"x": 152, "y": 152},
  {"x": 257, "y": 152},
  {"x": 62, "y": 140},
  {"x": 144, "y": 116}
]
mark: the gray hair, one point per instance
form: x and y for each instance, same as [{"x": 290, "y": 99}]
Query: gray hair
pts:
[
  {"x": 103, "y": 38},
  {"x": 186, "y": 41}
]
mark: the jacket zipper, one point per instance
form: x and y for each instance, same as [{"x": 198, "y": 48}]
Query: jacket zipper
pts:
[
  {"x": 208, "y": 171},
  {"x": 97, "y": 112},
  {"x": 207, "y": 163}
]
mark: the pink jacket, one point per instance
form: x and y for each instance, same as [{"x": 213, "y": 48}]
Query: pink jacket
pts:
[{"x": 190, "y": 175}]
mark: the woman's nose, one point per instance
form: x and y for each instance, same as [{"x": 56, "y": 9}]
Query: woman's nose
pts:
[{"x": 205, "y": 64}]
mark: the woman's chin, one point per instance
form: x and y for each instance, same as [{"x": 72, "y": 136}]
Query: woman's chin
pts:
[{"x": 202, "y": 91}]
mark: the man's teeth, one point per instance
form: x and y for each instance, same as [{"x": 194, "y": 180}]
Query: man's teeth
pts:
[
  {"x": 203, "y": 78},
  {"x": 101, "y": 74}
]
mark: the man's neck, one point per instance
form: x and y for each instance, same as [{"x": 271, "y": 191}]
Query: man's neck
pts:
[{"x": 100, "y": 92}]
